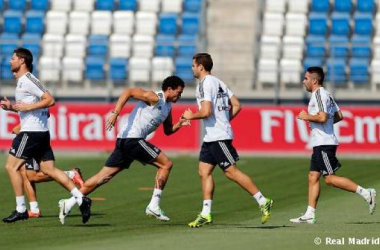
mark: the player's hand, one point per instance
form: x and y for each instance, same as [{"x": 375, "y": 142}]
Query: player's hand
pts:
[
  {"x": 184, "y": 122},
  {"x": 21, "y": 106},
  {"x": 6, "y": 104},
  {"x": 111, "y": 120},
  {"x": 187, "y": 114},
  {"x": 302, "y": 115}
]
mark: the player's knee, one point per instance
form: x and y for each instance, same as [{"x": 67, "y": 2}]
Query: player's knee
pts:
[
  {"x": 313, "y": 178},
  {"x": 168, "y": 165},
  {"x": 10, "y": 168},
  {"x": 329, "y": 180}
]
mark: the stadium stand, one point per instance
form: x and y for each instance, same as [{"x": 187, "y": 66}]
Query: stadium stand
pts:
[
  {"x": 339, "y": 35},
  {"x": 130, "y": 41}
]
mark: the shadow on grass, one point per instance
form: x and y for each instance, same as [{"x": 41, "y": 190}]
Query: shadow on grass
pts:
[
  {"x": 363, "y": 222},
  {"x": 74, "y": 215},
  {"x": 92, "y": 225}
]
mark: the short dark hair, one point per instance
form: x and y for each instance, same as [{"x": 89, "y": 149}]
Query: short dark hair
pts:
[
  {"x": 173, "y": 82},
  {"x": 205, "y": 60},
  {"x": 27, "y": 56},
  {"x": 319, "y": 72}
]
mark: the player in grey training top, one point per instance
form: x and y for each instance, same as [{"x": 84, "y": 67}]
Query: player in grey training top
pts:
[
  {"x": 322, "y": 113},
  {"x": 33, "y": 142},
  {"x": 152, "y": 110},
  {"x": 217, "y": 107}
]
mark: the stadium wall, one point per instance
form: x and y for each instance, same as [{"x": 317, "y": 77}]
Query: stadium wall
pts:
[{"x": 258, "y": 130}]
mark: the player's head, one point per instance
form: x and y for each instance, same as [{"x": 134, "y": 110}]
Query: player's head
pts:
[
  {"x": 22, "y": 58},
  {"x": 314, "y": 77},
  {"x": 202, "y": 63},
  {"x": 173, "y": 87}
]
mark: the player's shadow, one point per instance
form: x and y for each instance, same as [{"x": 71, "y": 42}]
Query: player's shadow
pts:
[
  {"x": 363, "y": 222},
  {"x": 92, "y": 225},
  {"x": 74, "y": 215},
  {"x": 224, "y": 225}
]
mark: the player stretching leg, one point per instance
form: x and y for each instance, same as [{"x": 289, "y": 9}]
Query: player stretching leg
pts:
[{"x": 153, "y": 109}]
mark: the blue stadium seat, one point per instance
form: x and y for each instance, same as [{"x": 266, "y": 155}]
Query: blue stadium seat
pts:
[
  {"x": 359, "y": 71},
  {"x": 190, "y": 23},
  {"x": 5, "y": 68},
  {"x": 8, "y": 43},
  {"x": 40, "y": 5},
  {"x": 311, "y": 62},
  {"x": 338, "y": 46},
  {"x": 365, "y": 5},
  {"x": 320, "y": 5},
  {"x": 94, "y": 68},
  {"x": 340, "y": 23},
  {"x": 363, "y": 23},
  {"x": 35, "y": 21},
  {"x": 32, "y": 42},
  {"x": 361, "y": 46},
  {"x": 315, "y": 46},
  {"x": 165, "y": 45},
  {"x": 336, "y": 71},
  {"x": 118, "y": 69},
  {"x": 128, "y": 5},
  {"x": 192, "y": 5},
  {"x": 168, "y": 23},
  {"x": 317, "y": 23},
  {"x": 1, "y": 7},
  {"x": 105, "y": 5},
  {"x": 343, "y": 6},
  {"x": 98, "y": 45},
  {"x": 12, "y": 21},
  {"x": 183, "y": 68},
  {"x": 187, "y": 45},
  {"x": 17, "y": 4}
]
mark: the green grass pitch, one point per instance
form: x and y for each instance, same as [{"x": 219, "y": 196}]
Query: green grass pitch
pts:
[{"x": 119, "y": 221}]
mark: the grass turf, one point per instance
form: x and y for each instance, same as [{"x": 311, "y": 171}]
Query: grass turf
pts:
[{"x": 119, "y": 221}]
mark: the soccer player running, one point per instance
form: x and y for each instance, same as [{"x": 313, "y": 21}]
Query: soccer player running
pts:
[
  {"x": 33, "y": 141},
  {"x": 322, "y": 113},
  {"x": 153, "y": 109},
  {"x": 31, "y": 175},
  {"x": 217, "y": 107}
]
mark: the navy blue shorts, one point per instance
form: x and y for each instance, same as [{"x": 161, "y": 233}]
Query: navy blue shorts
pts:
[
  {"x": 36, "y": 145},
  {"x": 324, "y": 160},
  {"x": 222, "y": 153},
  {"x": 129, "y": 149}
]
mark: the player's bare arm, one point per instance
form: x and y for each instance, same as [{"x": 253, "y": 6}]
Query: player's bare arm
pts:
[
  {"x": 148, "y": 97},
  {"x": 338, "y": 116},
  {"x": 321, "y": 117},
  {"x": 7, "y": 105},
  {"x": 47, "y": 100},
  {"x": 169, "y": 128},
  {"x": 16, "y": 130},
  {"x": 235, "y": 107},
  {"x": 204, "y": 112}
]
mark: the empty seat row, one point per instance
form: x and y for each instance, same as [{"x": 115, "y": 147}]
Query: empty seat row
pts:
[
  {"x": 338, "y": 71},
  {"x": 342, "y": 5},
  {"x": 340, "y": 23},
  {"x": 101, "y": 22},
  {"x": 175, "y": 6}
]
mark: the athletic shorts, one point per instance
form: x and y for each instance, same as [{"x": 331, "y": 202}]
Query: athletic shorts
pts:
[
  {"x": 324, "y": 160},
  {"x": 222, "y": 153},
  {"x": 31, "y": 164},
  {"x": 129, "y": 149},
  {"x": 36, "y": 145}
]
